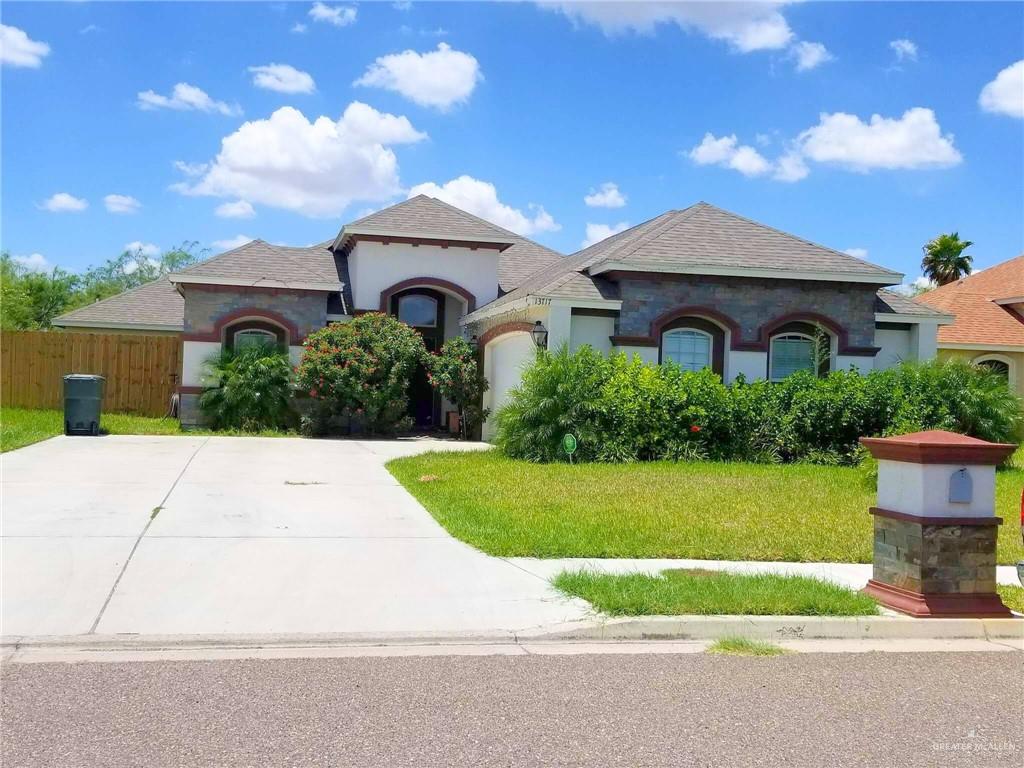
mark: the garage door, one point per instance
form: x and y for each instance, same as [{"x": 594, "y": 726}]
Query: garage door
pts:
[{"x": 506, "y": 358}]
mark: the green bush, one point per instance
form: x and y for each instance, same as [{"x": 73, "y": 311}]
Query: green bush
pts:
[
  {"x": 357, "y": 374},
  {"x": 455, "y": 375},
  {"x": 622, "y": 409},
  {"x": 250, "y": 389}
]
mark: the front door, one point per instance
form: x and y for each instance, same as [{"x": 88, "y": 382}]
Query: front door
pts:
[{"x": 422, "y": 309}]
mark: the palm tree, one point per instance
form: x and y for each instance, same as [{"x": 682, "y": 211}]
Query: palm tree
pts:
[{"x": 944, "y": 259}]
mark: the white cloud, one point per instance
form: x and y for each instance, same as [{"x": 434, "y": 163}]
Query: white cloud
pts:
[
  {"x": 598, "y": 232},
  {"x": 34, "y": 262},
  {"x": 299, "y": 28},
  {"x": 608, "y": 196},
  {"x": 282, "y": 78},
  {"x": 810, "y": 55},
  {"x": 186, "y": 97},
  {"x": 402, "y": 5},
  {"x": 746, "y": 26},
  {"x": 905, "y": 50},
  {"x": 62, "y": 202},
  {"x": 481, "y": 199},
  {"x": 121, "y": 204},
  {"x": 437, "y": 79},
  {"x": 89, "y": 28},
  {"x": 314, "y": 168},
  {"x": 191, "y": 169},
  {"x": 858, "y": 253},
  {"x": 19, "y": 50},
  {"x": 234, "y": 242},
  {"x": 916, "y": 286},
  {"x": 239, "y": 209},
  {"x": 913, "y": 141},
  {"x": 1005, "y": 94},
  {"x": 149, "y": 250},
  {"x": 727, "y": 152},
  {"x": 790, "y": 167},
  {"x": 338, "y": 15}
]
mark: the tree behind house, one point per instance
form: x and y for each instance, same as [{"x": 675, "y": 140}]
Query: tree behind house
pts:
[{"x": 944, "y": 259}]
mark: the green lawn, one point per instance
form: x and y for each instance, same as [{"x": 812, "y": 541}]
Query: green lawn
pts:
[
  {"x": 705, "y": 510},
  {"x": 1013, "y": 596},
  {"x": 703, "y": 592},
  {"x": 20, "y": 427}
]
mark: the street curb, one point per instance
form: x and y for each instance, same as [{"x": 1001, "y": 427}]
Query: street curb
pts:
[{"x": 643, "y": 628}]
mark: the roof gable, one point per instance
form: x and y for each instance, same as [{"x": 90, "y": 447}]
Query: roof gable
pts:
[
  {"x": 428, "y": 218},
  {"x": 258, "y": 263},
  {"x": 703, "y": 239}
]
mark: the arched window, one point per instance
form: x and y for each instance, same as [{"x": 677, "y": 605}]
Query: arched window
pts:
[
  {"x": 997, "y": 364},
  {"x": 251, "y": 337},
  {"x": 418, "y": 310},
  {"x": 688, "y": 347},
  {"x": 799, "y": 346}
]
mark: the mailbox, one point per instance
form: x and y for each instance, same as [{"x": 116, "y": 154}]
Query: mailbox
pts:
[{"x": 935, "y": 524}]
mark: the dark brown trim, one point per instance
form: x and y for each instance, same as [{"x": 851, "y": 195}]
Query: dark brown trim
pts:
[
  {"x": 426, "y": 282},
  {"x": 986, "y": 605},
  {"x": 935, "y": 449},
  {"x": 183, "y": 390},
  {"x": 633, "y": 341},
  {"x": 500, "y": 330},
  {"x": 217, "y": 334},
  {"x": 221, "y": 288},
  {"x": 586, "y": 312},
  {"x": 414, "y": 241},
  {"x": 977, "y": 521},
  {"x": 659, "y": 323}
]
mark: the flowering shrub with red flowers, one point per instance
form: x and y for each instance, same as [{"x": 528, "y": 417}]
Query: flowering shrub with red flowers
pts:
[{"x": 358, "y": 374}]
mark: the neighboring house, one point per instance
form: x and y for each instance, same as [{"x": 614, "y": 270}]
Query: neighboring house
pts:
[
  {"x": 700, "y": 286},
  {"x": 989, "y": 327}
]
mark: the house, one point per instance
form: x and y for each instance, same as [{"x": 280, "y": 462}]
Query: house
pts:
[
  {"x": 989, "y": 325},
  {"x": 700, "y": 286}
]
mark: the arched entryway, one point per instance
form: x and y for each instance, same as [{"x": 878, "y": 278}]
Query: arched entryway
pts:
[{"x": 424, "y": 310}]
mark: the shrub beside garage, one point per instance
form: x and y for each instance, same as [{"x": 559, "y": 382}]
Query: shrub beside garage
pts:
[{"x": 621, "y": 410}]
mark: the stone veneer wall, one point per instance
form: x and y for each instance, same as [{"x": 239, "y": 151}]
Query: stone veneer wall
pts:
[
  {"x": 935, "y": 559},
  {"x": 750, "y": 302},
  {"x": 203, "y": 307}
]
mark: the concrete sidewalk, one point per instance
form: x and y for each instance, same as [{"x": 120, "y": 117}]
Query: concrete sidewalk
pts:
[{"x": 220, "y": 535}]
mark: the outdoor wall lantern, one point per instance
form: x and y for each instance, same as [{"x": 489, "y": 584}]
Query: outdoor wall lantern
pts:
[{"x": 540, "y": 335}]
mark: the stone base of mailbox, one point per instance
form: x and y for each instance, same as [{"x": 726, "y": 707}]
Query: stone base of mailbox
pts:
[{"x": 936, "y": 566}]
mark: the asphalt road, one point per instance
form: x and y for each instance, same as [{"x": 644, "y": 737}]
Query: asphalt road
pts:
[{"x": 871, "y": 709}]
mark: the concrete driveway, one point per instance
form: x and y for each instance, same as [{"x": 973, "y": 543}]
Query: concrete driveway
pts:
[{"x": 225, "y": 535}]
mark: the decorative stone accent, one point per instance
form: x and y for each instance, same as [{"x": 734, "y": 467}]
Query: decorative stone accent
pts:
[
  {"x": 204, "y": 306},
  {"x": 931, "y": 562}
]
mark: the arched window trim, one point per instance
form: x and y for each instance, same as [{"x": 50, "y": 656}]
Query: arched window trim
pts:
[
  {"x": 281, "y": 335},
  {"x": 1011, "y": 369},
  {"x": 419, "y": 296},
  {"x": 688, "y": 329},
  {"x": 785, "y": 335},
  {"x": 270, "y": 336}
]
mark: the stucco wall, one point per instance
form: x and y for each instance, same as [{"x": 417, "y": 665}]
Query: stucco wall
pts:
[
  {"x": 204, "y": 307},
  {"x": 749, "y": 302},
  {"x": 593, "y": 330},
  {"x": 373, "y": 267}
]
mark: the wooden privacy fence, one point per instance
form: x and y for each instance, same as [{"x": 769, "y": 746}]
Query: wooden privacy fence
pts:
[{"x": 141, "y": 371}]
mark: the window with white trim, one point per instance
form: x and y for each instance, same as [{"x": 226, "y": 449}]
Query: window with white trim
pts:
[
  {"x": 790, "y": 352},
  {"x": 688, "y": 347},
  {"x": 251, "y": 337}
]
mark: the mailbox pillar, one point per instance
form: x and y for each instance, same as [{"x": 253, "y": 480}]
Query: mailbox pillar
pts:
[{"x": 935, "y": 524}]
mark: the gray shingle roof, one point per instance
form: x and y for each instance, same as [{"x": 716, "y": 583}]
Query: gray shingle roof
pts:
[
  {"x": 699, "y": 236},
  {"x": 703, "y": 236},
  {"x": 154, "y": 305},
  {"x": 423, "y": 215},
  {"x": 258, "y": 261},
  {"x": 891, "y": 302}
]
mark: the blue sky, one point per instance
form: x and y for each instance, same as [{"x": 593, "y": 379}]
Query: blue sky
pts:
[{"x": 517, "y": 111}]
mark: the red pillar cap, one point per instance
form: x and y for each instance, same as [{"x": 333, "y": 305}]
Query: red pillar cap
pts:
[{"x": 936, "y": 446}]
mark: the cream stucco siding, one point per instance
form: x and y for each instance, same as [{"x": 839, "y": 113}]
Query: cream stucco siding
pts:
[
  {"x": 504, "y": 361},
  {"x": 374, "y": 267},
  {"x": 894, "y": 347},
  {"x": 193, "y": 355},
  {"x": 593, "y": 330}
]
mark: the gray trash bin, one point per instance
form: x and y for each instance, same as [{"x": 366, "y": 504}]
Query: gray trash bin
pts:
[{"x": 83, "y": 396}]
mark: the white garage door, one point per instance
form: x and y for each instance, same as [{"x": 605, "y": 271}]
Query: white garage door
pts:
[{"x": 506, "y": 358}]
